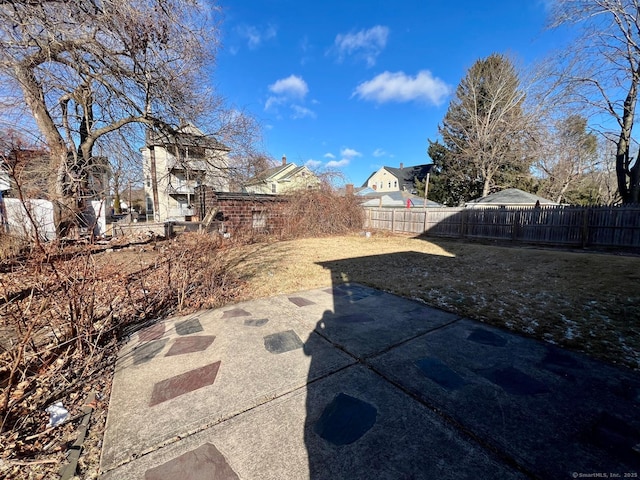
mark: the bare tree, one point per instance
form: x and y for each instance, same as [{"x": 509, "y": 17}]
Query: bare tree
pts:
[
  {"x": 601, "y": 70},
  {"x": 486, "y": 131},
  {"x": 86, "y": 68},
  {"x": 569, "y": 155}
]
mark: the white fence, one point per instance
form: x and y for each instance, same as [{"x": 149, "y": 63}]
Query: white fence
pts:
[{"x": 35, "y": 217}]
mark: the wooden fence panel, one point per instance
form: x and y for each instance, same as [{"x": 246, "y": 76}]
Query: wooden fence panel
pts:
[{"x": 553, "y": 226}]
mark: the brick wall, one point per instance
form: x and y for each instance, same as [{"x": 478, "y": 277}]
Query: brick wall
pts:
[{"x": 241, "y": 212}]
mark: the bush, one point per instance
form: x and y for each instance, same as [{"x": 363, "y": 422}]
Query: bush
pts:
[{"x": 322, "y": 212}]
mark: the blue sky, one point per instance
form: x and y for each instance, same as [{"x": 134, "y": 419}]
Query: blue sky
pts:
[{"x": 354, "y": 85}]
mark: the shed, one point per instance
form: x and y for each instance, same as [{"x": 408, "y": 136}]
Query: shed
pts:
[{"x": 510, "y": 197}]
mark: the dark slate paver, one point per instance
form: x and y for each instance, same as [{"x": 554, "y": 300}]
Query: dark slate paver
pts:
[
  {"x": 282, "y": 342},
  {"x": 188, "y": 327},
  {"x": 148, "y": 351},
  {"x": 301, "y": 301},
  {"x": 257, "y": 322},
  {"x": 235, "y": 312}
]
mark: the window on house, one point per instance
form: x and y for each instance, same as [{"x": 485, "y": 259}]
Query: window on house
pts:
[
  {"x": 395, "y": 184},
  {"x": 389, "y": 184},
  {"x": 259, "y": 220},
  {"x": 273, "y": 188},
  {"x": 148, "y": 182}
]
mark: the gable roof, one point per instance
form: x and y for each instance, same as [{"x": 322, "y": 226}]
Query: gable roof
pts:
[
  {"x": 405, "y": 175},
  {"x": 281, "y": 173},
  {"x": 511, "y": 196}
]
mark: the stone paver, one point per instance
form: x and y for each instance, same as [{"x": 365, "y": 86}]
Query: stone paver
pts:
[{"x": 351, "y": 382}]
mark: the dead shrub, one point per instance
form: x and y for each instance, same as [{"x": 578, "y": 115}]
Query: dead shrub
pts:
[
  {"x": 312, "y": 213},
  {"x": 63, "y": 315}
]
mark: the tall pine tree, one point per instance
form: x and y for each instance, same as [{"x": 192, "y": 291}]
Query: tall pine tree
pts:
[{"x": 486, "y": 135}]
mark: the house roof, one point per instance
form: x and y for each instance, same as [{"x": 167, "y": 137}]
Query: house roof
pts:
[
  {"x": 281, "y": 173},
  {"x": 405, "y": 175},
  {"x": 511, "y": 196},
  {"x": 394, "y": 199},
  {"x": 187, "y": 135}
]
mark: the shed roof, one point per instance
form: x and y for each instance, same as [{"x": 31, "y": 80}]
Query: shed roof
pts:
[
  {"x": 511, "y": 196},
  {"x": 395, "y": 199}
]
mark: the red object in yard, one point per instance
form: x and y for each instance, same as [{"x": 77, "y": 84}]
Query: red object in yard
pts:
[{"x": 408, "y": 203}]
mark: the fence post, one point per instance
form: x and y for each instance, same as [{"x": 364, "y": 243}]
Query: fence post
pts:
[
  {"x": 585, "y": 227},
  {"x": 515, "y": 230},
  {"x": 463, "y": 223},
  {"x": 393, "y": 220},
  {"x": 424, "y": 228}
]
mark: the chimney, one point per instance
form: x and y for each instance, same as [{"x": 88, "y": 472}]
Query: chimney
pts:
[
  {"x": 349, "y": 188},
  {"x": 401, "y": 165},
  {"x": 284, "y": 159}
]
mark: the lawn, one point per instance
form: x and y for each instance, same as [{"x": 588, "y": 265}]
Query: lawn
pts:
[{"x": 585, "y": 301}]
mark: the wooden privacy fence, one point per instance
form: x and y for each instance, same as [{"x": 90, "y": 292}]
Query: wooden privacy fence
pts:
[{"x": 554, "y": 226}]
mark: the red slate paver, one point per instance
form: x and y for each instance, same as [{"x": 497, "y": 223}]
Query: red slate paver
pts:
[
  {"x": 154, "y": 332},
  {"x": 204, "y": 463},
  {"x": 190, "y": 345},
  {"x": 184, "y": 383}
]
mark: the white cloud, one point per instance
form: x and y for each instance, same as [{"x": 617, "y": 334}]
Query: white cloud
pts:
[
  {"x": 399, "y": 87},
  {"x": 350, "y": 153},
  {"x": 302, "y": 112},
  {"x": 337, "y": 163},
  {"x": 286, "y": 91},
  {"x": 290, "y": 87},
  {"x": 273, "y": 102},
  {"x": 366, "y": 44},
  {"x": 378, "y": 152},
  {"x": 312, "y": 164},
  {"x": 255, "y": 36},
  {"x": 329, "y": 155}
]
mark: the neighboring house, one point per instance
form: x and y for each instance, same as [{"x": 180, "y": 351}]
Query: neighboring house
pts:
[
  {"x": 5, "y": 184},
  {"x": 390, "y": 179},
  {"x": 402, "y": 199},
  {"x": 183, "y": 161},
  {"x": 284, "y": 178},
  {"x": 511, "y": 197}
]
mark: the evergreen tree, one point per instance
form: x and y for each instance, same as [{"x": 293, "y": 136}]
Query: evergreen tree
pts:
[{"x": 486, "y": 134}]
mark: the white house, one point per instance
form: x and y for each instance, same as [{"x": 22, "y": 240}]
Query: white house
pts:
[
  {"x": 178, "y": 163},
  {"x": 390, "y": 179}
]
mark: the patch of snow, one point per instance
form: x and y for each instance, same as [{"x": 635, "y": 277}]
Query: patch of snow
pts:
[{"x": 569, "y": 334}]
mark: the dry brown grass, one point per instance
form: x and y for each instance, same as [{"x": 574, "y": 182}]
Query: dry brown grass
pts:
[{"x": 588, "y": 302}]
